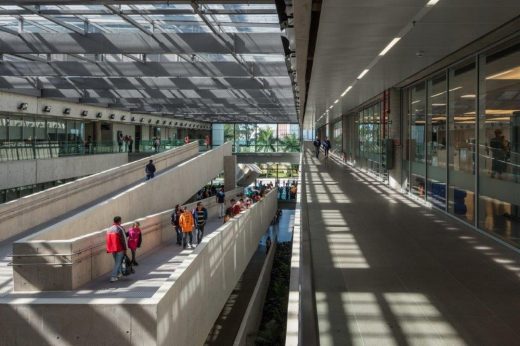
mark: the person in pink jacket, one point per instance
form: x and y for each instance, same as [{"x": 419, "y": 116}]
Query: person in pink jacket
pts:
[{"x": 134, "y": 240}]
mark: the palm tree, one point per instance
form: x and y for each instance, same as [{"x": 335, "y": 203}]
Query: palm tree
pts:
[
  {"x": 290, "y": 143},
  {"x": 265, "y": 140}
]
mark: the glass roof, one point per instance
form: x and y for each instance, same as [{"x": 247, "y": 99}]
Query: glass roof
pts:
[
  {"x": 174, "y": 18},
  {"x": 232, "y": 68}
]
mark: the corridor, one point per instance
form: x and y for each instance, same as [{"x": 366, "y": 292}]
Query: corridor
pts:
[{"x": 389, "y": 271}]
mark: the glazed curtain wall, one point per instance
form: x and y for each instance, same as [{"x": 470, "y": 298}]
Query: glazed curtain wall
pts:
[
  {"x": 461, "y": 140},
  {"x": 261, "y": 137}
]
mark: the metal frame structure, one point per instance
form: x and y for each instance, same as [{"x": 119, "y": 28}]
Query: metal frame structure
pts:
[{"x": 208, "y": 60}]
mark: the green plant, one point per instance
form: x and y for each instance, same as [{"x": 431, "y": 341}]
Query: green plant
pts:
[
  {"x": 272, "y": 328},
  {"x": 290, "y": 143},
  {"x": 265, "y": 140}
]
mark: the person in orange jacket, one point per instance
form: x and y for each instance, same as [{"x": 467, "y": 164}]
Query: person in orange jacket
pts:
[{"x": 187, "y": 223}]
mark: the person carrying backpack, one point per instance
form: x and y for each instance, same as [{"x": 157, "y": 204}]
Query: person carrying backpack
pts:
[
  {"x": 186, "y": 222},
  {"x": 175, "y": 222},
  {"x": 326, "y": 146},
  {"x": 317, "y": 144},
  {"x": 200, "y": 216}
]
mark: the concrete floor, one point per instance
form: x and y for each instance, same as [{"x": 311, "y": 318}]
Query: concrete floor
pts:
[{"x": 388, "y": 271}]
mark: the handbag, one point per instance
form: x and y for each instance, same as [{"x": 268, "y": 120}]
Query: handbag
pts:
[{"x": 126, "y": 266}]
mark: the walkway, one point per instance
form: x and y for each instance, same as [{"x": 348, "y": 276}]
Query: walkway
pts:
[
  {"x": 154, "y": 269},
  {"x": 388, "y": 271},
  {"x": 6, "y": 246}
]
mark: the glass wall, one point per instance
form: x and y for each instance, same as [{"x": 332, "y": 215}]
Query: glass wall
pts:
[
  {"x": 436, "y": 141},
  {"x": 499, "y": 142},
  {"x": 337, "y": 137},
  {"x": 417, "y": 111},
  {"x": 369, "y": 131},
  {"x": 262, "y": 137},
  {"x": 461, "y": 138},
  {"x": 472, "y": 107}
]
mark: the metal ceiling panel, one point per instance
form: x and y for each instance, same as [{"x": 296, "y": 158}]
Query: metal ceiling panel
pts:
[
  {"x": 137, "y": 43},
  {"x": 353, "y": 33}
]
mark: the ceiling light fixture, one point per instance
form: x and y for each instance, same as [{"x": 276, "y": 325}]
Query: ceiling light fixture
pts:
[
  {"x": 468, "y": 96},
  {"x": 432, "y": 2},
  {"x": 389, "y": 46},
  {"x": 346, "y": 91},
  {"x": 362, "y": 74},
  {"x": 336, "y": 101}
]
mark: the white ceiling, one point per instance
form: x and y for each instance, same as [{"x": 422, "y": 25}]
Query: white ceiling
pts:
[{"x": 352, "y": 33}]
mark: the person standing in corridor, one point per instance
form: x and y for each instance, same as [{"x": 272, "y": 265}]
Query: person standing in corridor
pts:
[
  {"x": 116, "y": 245},
  {"x": 150, "y": 170},
  {"x": 221, "y": 201},
  {"x": 326, "y": 146},
  {"x": 175, "y": 222},
  {"x": 186, "y": 222},
  {"x": 317, "y": 144},
  {"x": 200, "y": 215}
]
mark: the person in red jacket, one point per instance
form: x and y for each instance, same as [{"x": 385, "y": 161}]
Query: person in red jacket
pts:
[{"x": 116, "y": 245}]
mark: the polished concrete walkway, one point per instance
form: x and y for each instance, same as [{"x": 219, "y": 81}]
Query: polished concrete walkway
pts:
[{"x": 388, "y": 271}]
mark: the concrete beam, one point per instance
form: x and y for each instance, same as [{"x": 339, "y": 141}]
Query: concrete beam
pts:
[
  {"x": 230, "y": 172},
  {"x": 292, "y": 158}
]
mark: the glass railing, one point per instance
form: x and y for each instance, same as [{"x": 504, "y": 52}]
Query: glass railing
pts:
[
  {"x": 262, "y": 148},
  {"x": 31, "y": 150}
]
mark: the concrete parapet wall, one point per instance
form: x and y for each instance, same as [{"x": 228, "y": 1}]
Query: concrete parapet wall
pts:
[
  {"x": 181, "y": 312},
  {"x": 198, "y": 290},
  {"x": 174, "y": 186},
  {"x": 84, "y": 258},
  {"x": 293, "y": 331},
  {"x": 253, "y": 315},
  {"x": 25, "y": 213},
  {"x": 29, "y": 172}
]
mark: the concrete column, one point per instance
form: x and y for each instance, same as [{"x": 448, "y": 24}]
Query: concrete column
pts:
[
  {"x": 97, "y": 124},
  {"x": 230, "y": 173}
]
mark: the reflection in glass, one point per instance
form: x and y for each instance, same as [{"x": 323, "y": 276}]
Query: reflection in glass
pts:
[
  {"x": 462, "y": 101},
  {"x": 15, "y": 128},
  {"x": 436, "y": 141},
  {"x": 417, "y": 110},
  {"x": 499, "y": 144}
]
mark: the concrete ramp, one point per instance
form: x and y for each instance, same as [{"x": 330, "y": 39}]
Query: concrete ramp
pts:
[
  {"x": 23, "y": 214},
  {"x": 32, "y": 255},
  {"x": 193, "y": 289}
]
